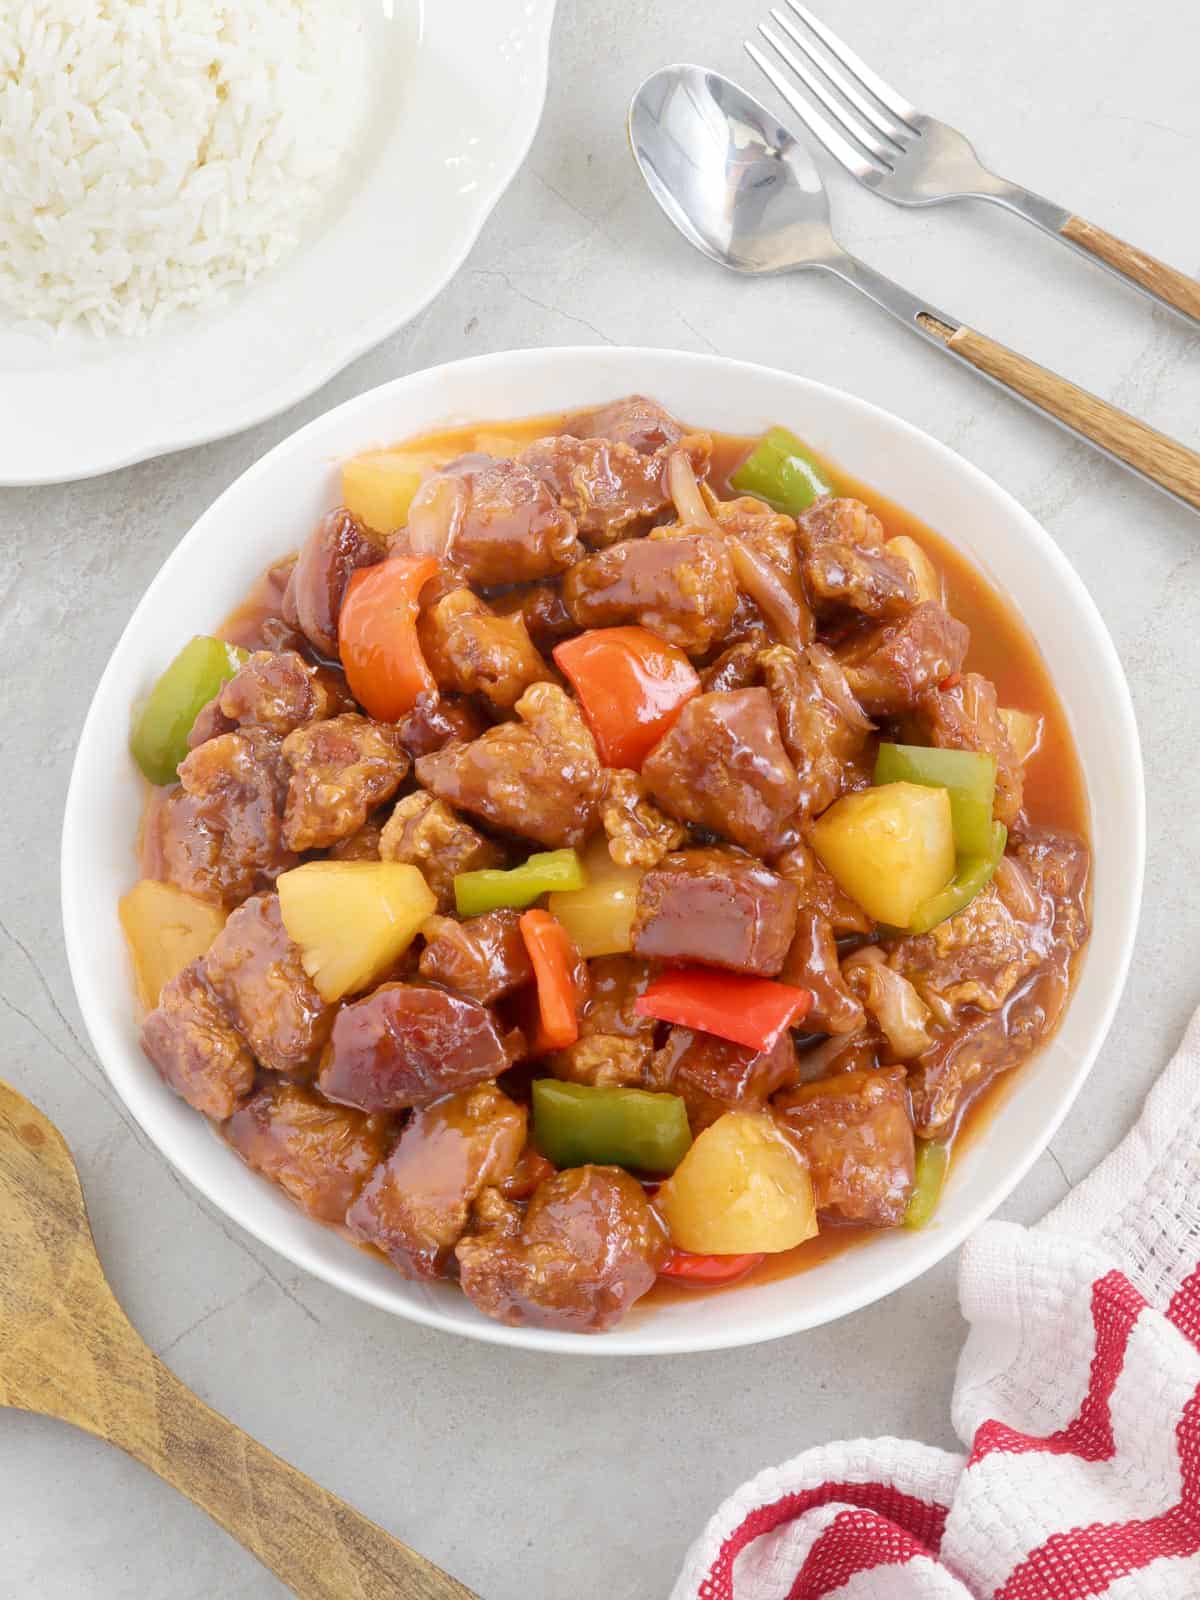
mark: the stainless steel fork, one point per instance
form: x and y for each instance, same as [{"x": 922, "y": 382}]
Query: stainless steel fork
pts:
[{"x": 915, "y": 160}]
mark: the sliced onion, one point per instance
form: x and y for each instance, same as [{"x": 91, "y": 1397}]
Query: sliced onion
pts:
[
  {"x": 837, "y": 689},
  {"x": 1016, "y": 891},
  {"x": 898, "y": 1009},
  {"x": 685, "y": 491},
  {"x": 823, "y": 1060},
  {"x": 436, "y": 514},
  {"x": 786, "y": 612}
]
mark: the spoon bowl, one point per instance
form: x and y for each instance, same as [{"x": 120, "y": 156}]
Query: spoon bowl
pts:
[{"x": 732, "y": 180}]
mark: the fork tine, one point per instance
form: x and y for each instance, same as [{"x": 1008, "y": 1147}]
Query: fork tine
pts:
[
  {"x": 883, "y": 92},
  {"x": 848, "y": 120},
  {"x": 890, "y": 127},
  {"x": 820, "y": 127}
]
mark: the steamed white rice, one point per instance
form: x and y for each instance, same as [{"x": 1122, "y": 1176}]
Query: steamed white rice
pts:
[{"x": 154, "y": 153}]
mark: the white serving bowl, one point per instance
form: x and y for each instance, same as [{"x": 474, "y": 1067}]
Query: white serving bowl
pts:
[{"x": 270, "y": 510}]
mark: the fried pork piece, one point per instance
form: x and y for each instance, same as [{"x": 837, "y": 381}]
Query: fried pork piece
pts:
[
  {"x": 977, "y": 957},
  {"x": 615, "y": 1041},
  {"x": 341, "y": 769},
  {"x": 280, "y": 692},
  {"x": 484, "y": 957},
  {"x": 588, "y": 1247},
  {"x": 495, "y": 521},
  {"x": 856, "y": 1134},
  {"x": 635, "y": 421},
  {"x": 407, "y": 1043},
  {"x": 718, "y": 908},
  {"x": 679, "y": 584},
  {"x": 416, "y": 1206},
  {"x": 316, "y": 588},
  {"x": 712, "y": 1076},
  {"x": 812, "y": 964},
  {"x": 540, "y": 777},
  {"x": 824, "y": 728},
  {"x": 256, "y": 972},
  {"x": 470, "y": 649},
  {"x": 846, "y": 564},
  {"x": 429, "y": 834},
  {"x": 219, "y": 835},
  {"x": 275, "y": 691},
  {"x": 196, "y": 1048},
  {"x": 639, "y": 834},
  {"x": 966, "y": 717},
  {"x": 611, "y": 490},
  {"x": 723, "y": 767},
  {"x": 890, "y": 666},
  {"x": 997, "y": 975},
  {"x": 320, "y": 1154},
  {"x": 438, "y": 720}
]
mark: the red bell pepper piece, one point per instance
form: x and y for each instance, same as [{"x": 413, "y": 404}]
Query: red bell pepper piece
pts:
[
  {"x": 631, "y": 686},
  {"x": 683, "y": 1267},
  {"x": 552, "y": 957},
  {"x": 377, "y": 636},
  {"x": 749, "y": 1011}
]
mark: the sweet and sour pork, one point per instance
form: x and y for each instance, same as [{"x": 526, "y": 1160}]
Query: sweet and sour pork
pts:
[{"x": 400, "y": 1109}]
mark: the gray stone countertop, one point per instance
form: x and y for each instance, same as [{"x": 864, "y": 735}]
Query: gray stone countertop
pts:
[{"x": 529, "y": 1477}]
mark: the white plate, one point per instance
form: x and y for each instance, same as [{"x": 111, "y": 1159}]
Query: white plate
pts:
[
  {"x": 272, "y": 507},
  {"x": 459, "y": 88}
]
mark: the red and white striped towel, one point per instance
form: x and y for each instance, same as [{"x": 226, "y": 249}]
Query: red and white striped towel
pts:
[{"x": 1078, "y": 1392}]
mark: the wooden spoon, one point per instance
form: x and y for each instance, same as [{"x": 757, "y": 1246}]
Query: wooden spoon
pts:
[{"x": 68, "y": 1350}]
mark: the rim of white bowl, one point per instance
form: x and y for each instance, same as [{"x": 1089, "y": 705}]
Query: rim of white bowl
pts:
[{"x": 129, "y": 1076}]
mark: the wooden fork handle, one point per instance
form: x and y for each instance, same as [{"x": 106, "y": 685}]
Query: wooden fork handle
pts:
[
  {"x": 1162, "y": 460},
  {"x": 318, "y": 1545},
  {"x": 1165, "y": 283}
]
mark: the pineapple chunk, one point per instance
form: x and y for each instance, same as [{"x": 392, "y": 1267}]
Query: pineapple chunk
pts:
[
  {"x": 1024, "y": 730},
  {"x": 743, "y": 1187},
  {"x": 352, "y": 919},
  {"x": 165, "y": 928},
  {"x": 889, "y": 847},
  {"x": 929, "y": 584},
  {"x": 599, "y": 917},
  {"x": 378, "y": 486}
]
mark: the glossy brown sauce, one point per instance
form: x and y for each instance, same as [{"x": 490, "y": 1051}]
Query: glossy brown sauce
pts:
[{"x": 1001, "y": 648}]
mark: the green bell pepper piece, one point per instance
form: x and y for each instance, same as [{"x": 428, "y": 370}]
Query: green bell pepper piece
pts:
[
  {"x": 159, "y": 737},
  {"x": 972, "y": 874},
  {"x": 933, "y": 1163},
  {"x": 490, "y": 889},
  {"x": 574, "y": 1124},
  {"x": 782, "y": 471},
  {"x": 968, "y": 775}
]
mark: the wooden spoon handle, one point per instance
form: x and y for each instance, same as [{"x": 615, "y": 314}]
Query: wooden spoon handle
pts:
[
  {"x": 1165, "y": 283},
  {"x": 318, "y": 1545},
  {"x": 1162, "y": 460}
]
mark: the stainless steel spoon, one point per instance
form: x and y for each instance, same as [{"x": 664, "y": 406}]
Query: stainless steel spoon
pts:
[{"x": 742, "y": 190}]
